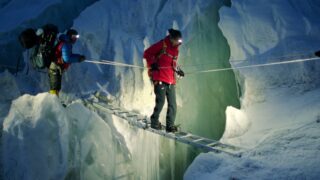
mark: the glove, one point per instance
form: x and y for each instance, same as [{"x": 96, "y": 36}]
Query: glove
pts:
[
  {"x": 82, "y": 58},
  {"x": 154, "y": 67},
  {"x": 317, "y": 53},
  {"x": 180, "y": 73}
]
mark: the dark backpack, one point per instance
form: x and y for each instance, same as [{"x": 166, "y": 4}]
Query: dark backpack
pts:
[
  {"x": 42, "y": 47},
  {"x": 28, "y": 38}
]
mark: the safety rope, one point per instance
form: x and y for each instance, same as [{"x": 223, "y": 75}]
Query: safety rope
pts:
[
  {"x": 107, "y": 62},
  {"x": 256, "y": 65},
  {"x": 279, "y": 58}
]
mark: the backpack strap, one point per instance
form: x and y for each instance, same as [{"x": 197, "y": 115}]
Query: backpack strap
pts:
[{"x": 164, "y": 51}]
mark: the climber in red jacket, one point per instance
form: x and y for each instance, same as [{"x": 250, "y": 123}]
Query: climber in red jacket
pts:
[{"x": 161, "y": 60}]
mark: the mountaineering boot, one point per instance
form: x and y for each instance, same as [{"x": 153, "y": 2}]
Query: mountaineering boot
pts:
[
  {"x": 156, "y": 126},
  {"x": 55, "y": 92},
  {"x": 172, "y": 129}
]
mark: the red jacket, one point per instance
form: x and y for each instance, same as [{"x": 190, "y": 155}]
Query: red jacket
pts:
[{"x": 166, "y": 56}]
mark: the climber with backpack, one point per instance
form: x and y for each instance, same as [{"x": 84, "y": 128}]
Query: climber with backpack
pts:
[
  {"x": 41, "y": 44},
  {"x": 63, "y": 58},
  {"x": 161, "y": 60}
]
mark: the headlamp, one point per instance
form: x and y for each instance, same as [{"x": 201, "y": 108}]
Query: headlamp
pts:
[
  {"x": 180, "y": 40},
  {"x": 76, "y": 36}
]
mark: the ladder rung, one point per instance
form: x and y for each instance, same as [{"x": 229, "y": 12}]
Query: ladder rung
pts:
[
  {"x": 192, "y": 138},
  {"x": 132, "y": 115},
  {"x": 212, "y": 144},
  {"x": 205, "y": 141},
  {"x": 123, "y": 112},
  {"x": 197, "y": 140}
]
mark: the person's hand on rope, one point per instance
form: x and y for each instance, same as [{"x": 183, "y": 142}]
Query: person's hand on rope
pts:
[
  {"x": 179, "y": 72},
  {"x": 82, "y": 58}
]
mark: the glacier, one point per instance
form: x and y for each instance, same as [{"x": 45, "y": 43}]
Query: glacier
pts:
[{"x": 259, "y": 109}]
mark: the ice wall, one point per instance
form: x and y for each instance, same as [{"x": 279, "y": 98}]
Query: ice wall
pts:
[
  {"x": 277, "y": 32},
  {"x": 43, "y": 140},
  {"x": 120, "y": 31},
  {"x": 280, "y": 104},
  {"x": 119, "y": 40},
  {"x": 202, "y": 98},
  {"x": 258, "y": 34}
]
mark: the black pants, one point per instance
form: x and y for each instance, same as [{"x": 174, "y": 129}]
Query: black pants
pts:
[
  {"x": 55, "y": 76},
  {"x": 163, "y": 90}
]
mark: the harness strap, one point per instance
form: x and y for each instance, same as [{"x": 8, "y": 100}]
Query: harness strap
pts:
[{"x": 164, "y": 52}]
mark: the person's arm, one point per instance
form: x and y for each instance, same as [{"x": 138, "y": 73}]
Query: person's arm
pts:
[
  {"x": 178, "y": 70},
  {"x": 67, "y": 55},
  {"x": 152, "y": 52}
]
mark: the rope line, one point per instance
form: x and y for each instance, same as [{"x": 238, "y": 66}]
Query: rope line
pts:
[
  {"x": 257, "y": 65},
  {"x": 107, "y": 62},
  {"x": 232, "y": 61}
]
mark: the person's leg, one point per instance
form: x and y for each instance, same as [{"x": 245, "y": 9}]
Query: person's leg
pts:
[
  {"x": 172, "y": 106},
  {"x": 55, "y": 79},
  {"x": 160, "y": 92}
]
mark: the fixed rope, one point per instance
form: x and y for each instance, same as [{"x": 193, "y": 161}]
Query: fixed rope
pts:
[
  {"x": 256, "y": 65},
  {"x": 107, "y": 62}
]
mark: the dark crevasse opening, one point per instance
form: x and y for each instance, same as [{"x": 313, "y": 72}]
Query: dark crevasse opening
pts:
[{"x": 205, "y": 96}]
